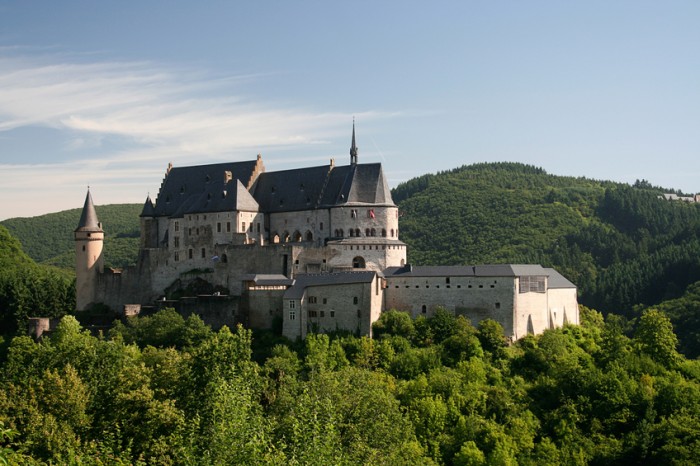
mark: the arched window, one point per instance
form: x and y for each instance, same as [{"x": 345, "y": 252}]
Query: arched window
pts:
[
  {"x": 276, "y": 238},
  {"x": 373, "y": 232},
  {"x": 352, "y": 233},
  {"x": 424, "y": 309},
  {"x": 337, "y": 233},
  {"x": 286, "y": 237},
  {"x": 297, "y": 236},
  {"x": 392, "y": 232},
  {"x": 357, "y": 232},
  {"x": 367, "y": 232},
  {"x": 320, "y": 226},
  {"x": 342, "y": 233},
  {"x": 309, "y": 236},
  {"x": 224, "y": 258},
  {"x": 358, "y": 263},
  {"x": 383, "y": 232}
]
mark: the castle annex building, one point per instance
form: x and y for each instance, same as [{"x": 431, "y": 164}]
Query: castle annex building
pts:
[{"x": 316, "y": 248}]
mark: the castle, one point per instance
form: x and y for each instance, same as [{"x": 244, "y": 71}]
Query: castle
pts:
[{"x": 316, "y": 249}]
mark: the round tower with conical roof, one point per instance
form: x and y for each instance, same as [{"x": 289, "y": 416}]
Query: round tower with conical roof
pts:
[{"x": 89, "y": 260}]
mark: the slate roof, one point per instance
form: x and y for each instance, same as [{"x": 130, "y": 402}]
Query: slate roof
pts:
[
  {"x": 88, "y": 217},
  {"x": 148, "y": 208},
  {"x": 303, "y": 281},
  {"x": 323, "y": 186},
  {"x": 557, "y": 280},
  {"x": 183, "y": 187},
  {"x": 268, "y": 279},
  {"x": 496, "y": 270}
]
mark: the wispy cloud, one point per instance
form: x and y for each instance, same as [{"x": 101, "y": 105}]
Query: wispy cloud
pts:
[{"x": 161, "y": 114}]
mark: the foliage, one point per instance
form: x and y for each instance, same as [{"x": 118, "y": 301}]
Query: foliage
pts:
[
  {"x": 48, "y": 239},
  {"x": 165, "y": 390}
]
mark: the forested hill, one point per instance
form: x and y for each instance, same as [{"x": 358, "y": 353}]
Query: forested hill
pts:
[
  {"x": 48, "y": 239},
  {"x": 28, "y": 289},
  {"x": 620, "y": 244}
]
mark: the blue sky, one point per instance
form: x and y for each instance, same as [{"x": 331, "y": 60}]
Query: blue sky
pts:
[{"x": 106, "y": 94}]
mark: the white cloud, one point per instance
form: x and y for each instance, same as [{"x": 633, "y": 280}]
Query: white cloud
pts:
[{"x": 162, "y": 115}]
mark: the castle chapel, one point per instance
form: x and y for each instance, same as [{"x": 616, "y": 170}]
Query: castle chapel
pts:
[{"x": 315, "y": 249}]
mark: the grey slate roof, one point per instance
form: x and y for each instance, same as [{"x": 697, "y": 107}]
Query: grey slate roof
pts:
[
  {"x": 323, "y": 186},
  {"x": 496, "y": 270},
  {"x": 290, "y": 190},
  {"x": 148, "y": 209},
  {"x": 184, "y": 186},
  {"x": 88, "y": 217},
  {"x": 304, "y": 281},
  {"x": 557, "y": 280},
  {"x": 268, "y": 279}
]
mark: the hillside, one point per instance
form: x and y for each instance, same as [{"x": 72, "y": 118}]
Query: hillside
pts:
[
  {"x": 620, "y": 244},
  {"x": 48, "y": 239},
  {"x": 28, "y": 289}
]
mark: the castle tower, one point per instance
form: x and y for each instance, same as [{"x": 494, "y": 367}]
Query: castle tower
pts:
[{"x": 89, "y": 260}]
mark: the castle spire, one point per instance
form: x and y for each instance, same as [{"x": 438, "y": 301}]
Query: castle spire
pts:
[
  {"x": 88, "y": 218},
  {"x": 353, "y": 147}
]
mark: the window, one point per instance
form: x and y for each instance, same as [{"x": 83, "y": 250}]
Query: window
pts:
[
  {"x": 383, "y": 232},
  {"x": 358, "y": 263},
  {"x": 228, "y": 227},
  {"x": 177, "y": 226},
  {"x": 357, "y": 232},
  {"x": 177, "y": 256},
  {"x": 424, "y": 309},
  {"x": 332, "y": 313},
  {"x": 190, "y": 253},
  {"x": 292, "y": 304},
  {"x": 313, "y": 314},
  {"x": 366, "y": 231},
  {"x": 313, "y": 300},
  {"x": 325, "y": 300},
  {"x": 353, "y": 213},
  {"x": 218, "y": 227},
  {"x": 292, "y": 315},
  {"x": 204, "y": 253},
  {"x": 258, "y": 227},
  {"x": 532, "y": 284},
  {"x": 176, "y": 241},
  {"x": 498, "y": 305},
  {"x": 251, "y": 227},
  {"x": 320, "y": 226},
  {"x": 323, "y": 313},
  {"x": 355, "y": 300},
  {"x": 243, "y": 227}
]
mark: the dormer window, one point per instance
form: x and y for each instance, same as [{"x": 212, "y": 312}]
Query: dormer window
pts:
[
  {"x": 207, "y": 179},
  {"x": 182, "y": 190},
  {"x": 272, "y": 190},
  {"x": 301, "y": 187}
]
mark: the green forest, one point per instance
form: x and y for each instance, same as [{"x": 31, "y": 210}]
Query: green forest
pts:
[
  {"x": 165, "y": 390},
  {"x": 621, "y": 388}
]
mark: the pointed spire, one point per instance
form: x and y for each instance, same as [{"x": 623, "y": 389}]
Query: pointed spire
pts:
[
  {"x": 88, "y": 218},
  {"x": 353, "y": 147},
  {"x": 148, "y": 208}
]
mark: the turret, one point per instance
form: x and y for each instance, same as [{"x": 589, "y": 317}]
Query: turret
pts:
[
  {"x": 149, "y": 225},
  {"x": 89, "y": 260}
]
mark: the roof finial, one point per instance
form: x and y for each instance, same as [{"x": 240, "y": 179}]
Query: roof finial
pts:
[{"x": 353, "y": 148}]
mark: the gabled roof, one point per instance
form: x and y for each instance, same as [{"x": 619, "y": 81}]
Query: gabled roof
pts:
[
  {"x": 181, "y": 184},
  {"x": 88, "y": 217},
  {"x": 303, "y": 281},
  {"x": 219, "y": 197}
]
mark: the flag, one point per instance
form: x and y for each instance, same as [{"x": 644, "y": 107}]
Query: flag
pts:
[{"x": 371, "y": 213}]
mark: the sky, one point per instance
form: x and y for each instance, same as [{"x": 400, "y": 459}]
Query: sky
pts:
[{"x": 106, "y": 94}]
